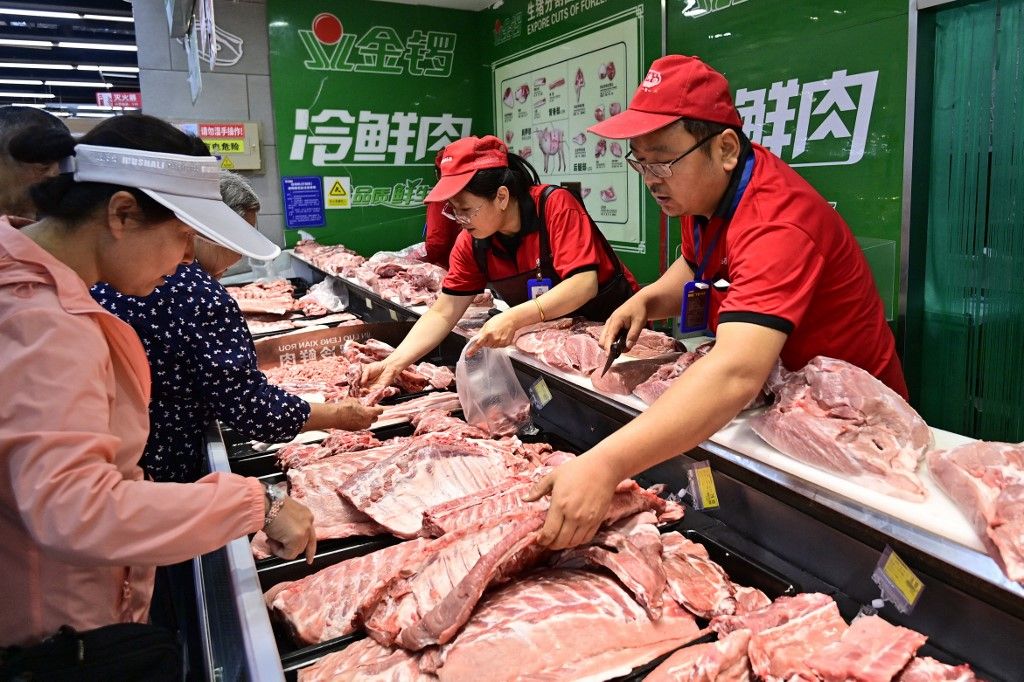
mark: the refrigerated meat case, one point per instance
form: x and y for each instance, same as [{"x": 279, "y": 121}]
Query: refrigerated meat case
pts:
[{"x": 773, "y": 530}]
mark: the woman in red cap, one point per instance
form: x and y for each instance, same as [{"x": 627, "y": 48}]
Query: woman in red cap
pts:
[{"x": 534, "y": 245}]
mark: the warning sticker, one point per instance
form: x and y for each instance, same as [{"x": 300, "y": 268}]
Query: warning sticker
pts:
[{"x": 337, "y": 192}]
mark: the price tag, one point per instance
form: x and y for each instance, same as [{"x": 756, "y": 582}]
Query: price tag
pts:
[
  {"x": 702, "y": 486},
  {"x": 369, "y": 303},
  {"x": 898, "y": 583},
  {"x": 393, "y": 315},
  {"x": 540, "y": 394}
]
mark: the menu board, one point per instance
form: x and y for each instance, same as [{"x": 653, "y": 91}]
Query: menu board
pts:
[{"x": 546, "y": 101}]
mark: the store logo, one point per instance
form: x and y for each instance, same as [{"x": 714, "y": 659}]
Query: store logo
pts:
[
  {"x": 652, "y": 79},
  {"x": 508, "y": 28},
  {"x": 380, "y": 50}
]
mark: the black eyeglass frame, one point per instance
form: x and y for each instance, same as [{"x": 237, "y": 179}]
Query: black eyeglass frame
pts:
[{"x": 664, "y": 170}]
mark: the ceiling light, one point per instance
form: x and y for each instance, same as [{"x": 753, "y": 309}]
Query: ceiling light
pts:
[
  {"x": 62, "y": 114},
  {"x": 40, "y": 13},
  {"x": 31, "y": 95},
  {"x": 93, "y": 115},
  {"x": 108, "y": 17},
  {"x": 14, "y": 42},
  {"x": 79, "y": 84},
  {"x": 20, "y": 65},
  {"x": 19, "y": 81},
  {"x": 111, "y": 69},
  {"x": 98, "y": 46},
  {"x": 34, "y": 105}
]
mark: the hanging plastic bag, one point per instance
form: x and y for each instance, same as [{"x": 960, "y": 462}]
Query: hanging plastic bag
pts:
[
  {"x": 330, "y": 294},
  {"x": 492, "y": 399}
]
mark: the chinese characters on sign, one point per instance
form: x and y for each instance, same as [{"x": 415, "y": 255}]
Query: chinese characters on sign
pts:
[
  {"x": 130, "y": 100},
  {"x": 339, "y": 137},
  {"x": 380, "y": 50},
  {"x": 819, "y": 123},
  {"x": 223, "y": 138}
]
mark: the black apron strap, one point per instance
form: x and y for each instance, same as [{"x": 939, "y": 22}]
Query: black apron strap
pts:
[{"x": 480, "y": 249}]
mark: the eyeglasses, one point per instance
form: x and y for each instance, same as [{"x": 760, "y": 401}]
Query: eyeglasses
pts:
[
  {"x": 663, "y": 170},
  {"x": 453, "y": 213}
]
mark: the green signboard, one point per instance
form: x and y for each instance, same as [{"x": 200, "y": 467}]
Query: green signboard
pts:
[
  {"x": 823, "y": 86},
  {"x": 365, "y": 94}
]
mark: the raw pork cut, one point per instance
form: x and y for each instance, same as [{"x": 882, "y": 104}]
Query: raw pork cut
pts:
[
  {"x": 338, "y": 442},
  {"x": 652, "y": 388},
  {"x": 837, "y": 417},
  {"x": 273, "y": 297},
  {"x": 986, "y": 481},
  {"x": 326, "y": 604},
  {"x": 721, "y": 661},
  {"x": 623, "y": 378},
  {"x": 694, "y": 580},
  {"x": 366, "y": 661},
  {"x": 443, "y": 400},
  {"x": 786, "y": 634},
  {"x": 929, "y": 670},
  {"x": 437, "y": 421},
  {"x": 871, "y": 650},
  {"x": 560, "y": 624}
]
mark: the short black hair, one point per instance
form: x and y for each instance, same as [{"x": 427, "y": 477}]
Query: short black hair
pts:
[
  {"x": 15, "y": 119},
  {"x": 702, "y": 129}
]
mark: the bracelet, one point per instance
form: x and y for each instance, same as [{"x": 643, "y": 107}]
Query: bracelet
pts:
[
  {"x": 277, "y": 496},
  {"x": 540, "y": 310}
]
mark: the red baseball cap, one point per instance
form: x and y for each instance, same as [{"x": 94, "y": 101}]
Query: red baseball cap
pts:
[
  {"x": 675, "y": 87},
  {"x": 462, "y": 159}
]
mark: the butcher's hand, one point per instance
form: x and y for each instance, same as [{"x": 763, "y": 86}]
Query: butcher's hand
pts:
[
  {"x": 291, "y": 532},
  {"x": 631, "y": 316},
  {"x": 580, "y": 496},
  {"x": 497, "y": 332},
  {"x": 352, "y": 415},
  {"x": 380, "y": 373}
]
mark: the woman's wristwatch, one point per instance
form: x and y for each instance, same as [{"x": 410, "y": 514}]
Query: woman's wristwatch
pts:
[{"x": 275, "y": 496}]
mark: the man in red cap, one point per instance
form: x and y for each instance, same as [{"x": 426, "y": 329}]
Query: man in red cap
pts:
[
  {"x": 767, "y": 265},
  {"x": 533, "y": 245}
]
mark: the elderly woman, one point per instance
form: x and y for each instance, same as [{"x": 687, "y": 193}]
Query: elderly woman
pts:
[
  {"x": 204, "y": 362},
  {"x": 82, "y": 530}
]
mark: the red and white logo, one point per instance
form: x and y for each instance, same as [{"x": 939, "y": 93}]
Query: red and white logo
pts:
[
  {"x": 652, "y": 79},
  {"x": 446, "y": 159}
]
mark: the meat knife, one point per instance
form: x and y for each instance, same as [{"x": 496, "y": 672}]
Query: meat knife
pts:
[{"x": 618, "y": 345}]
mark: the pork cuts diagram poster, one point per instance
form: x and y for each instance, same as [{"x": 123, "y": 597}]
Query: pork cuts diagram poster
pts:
[{"x": 545, "y": 101}]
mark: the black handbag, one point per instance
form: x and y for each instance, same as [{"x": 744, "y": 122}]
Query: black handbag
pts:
[{"x": 124, "y": 651}]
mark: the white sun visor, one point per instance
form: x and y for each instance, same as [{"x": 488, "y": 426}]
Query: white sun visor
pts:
[{"x": 187, "y": 185}]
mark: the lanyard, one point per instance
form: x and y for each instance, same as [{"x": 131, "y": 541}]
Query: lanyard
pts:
[{"x": 700, "y": 222}]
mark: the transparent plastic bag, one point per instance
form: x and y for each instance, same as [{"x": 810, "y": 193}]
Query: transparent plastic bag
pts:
[
  {"x": 330, "y": 294},
  {"x": 491, "y": 397}
]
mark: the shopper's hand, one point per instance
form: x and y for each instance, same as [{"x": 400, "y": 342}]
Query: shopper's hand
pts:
[
  {"x": 580, "y": 496},
  {"x": 632, "y": 316},
  {"x": 497, "y": 332},
  {"x": 380, "y": 373},
  {"x": 352, "y": 415},
  {"x": 292, "y": 532}
]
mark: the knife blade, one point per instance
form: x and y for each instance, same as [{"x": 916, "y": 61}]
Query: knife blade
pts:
[{"x": 618, "y": 345}]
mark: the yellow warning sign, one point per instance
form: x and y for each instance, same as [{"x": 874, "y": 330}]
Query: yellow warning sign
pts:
[
  {"x": 337, "y": 192},
  {"x": 226, "y": 163}
]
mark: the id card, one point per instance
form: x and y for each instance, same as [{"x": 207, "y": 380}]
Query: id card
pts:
[
  {"x": 694, "y": 314},
  {"x": 536, "y": 287}
]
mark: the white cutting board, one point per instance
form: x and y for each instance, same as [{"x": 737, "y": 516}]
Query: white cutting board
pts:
[{"x": 937, "y": 514}]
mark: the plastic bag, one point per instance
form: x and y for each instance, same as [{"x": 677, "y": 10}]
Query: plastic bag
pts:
[
  {"x": 330, "y": 294},
  {"x": 492, "y": 399}
]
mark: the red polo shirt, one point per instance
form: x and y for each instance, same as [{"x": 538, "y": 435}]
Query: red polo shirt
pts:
[
  {"x": 573, "y": 249},
  {"x": 439, "y": 234},
  {"x": 792, "y": 264}
]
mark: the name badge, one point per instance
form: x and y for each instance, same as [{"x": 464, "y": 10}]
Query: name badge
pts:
[
  {"x": 694, "y": 314},
  {"x": 536, "y": 287}
]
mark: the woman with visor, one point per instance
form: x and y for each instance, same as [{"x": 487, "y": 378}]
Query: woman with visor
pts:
[
  {"x": 82, "y": 530},
  {"x": 533, "y": 245}
]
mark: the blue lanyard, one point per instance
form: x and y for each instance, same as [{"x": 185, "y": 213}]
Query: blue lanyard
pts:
[{"x": 699, "y": 223}]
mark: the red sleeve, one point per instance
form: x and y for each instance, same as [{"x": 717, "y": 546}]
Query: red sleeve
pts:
[
  {"x": 440, "y": 234},
  {"x": 464, "y": 277},
  {"x": 774, "y": 270},
  {"x": 573, "y": 246},
  {"x": 686, "y": 241}
]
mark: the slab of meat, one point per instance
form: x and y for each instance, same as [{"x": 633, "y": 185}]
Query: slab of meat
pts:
[
  {"x": 333, "y": 259},
  {"x": 563, "y": 344},
  {"x": 694, "y": 580},
  {"x": 721, "y": 661},
  {"x": 265, "y": 296},
  {"x": 437, "y": 421},
  {"x": 837, "y": 417},
  {"x": 396, "y": 493},
  {"x": 443, "y": 400},
  {"x": 786, "y": 634},
  {"x": 623, "y": 378},
  {"x": 500, "y": 500},
  {"x": 326, "y": 604},
  {"x": 871, "y": 650},
  {"x": 986, "y": 481},
  {"x": 265, "y": 323},
  {"x": 560, "y": 624},
  {"x": 338, "y": 442},
  {"x": 366, "y": 661},
  {"x": 929, "y": 670},
  {"x": 649, "y": 344},
  {"x": 652, "y": 388}
]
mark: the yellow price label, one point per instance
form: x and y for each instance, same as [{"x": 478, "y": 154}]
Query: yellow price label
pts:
[
  {"x": 902, "y": 578},
  {"x": 706, "y": 487},
  {"x": 393, "y": 315},
  {"x": 540, "y": 394}
]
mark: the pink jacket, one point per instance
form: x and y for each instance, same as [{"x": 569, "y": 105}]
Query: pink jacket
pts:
[{"x": 81, "y": 530}]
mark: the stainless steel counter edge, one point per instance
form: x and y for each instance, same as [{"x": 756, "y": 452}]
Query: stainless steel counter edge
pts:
[
  {"x": 261, "y": 655},
  {"x": 976, "y": 563}
]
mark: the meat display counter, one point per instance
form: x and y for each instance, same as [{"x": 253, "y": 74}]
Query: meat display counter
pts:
[{"x": 798, "y": 530}]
